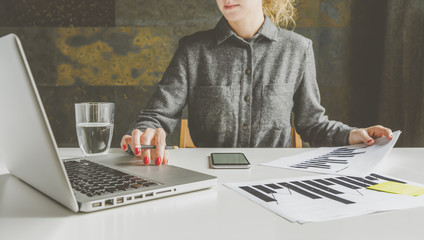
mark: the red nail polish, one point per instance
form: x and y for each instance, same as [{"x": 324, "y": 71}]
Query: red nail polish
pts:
[
  {"x": 158, "y": 161},
  {"x": 124, "y": 147},
  {"x": 146, "y": 160},
  {"x": 137, "y": 151},
  {"x": 370, "y": 141}
]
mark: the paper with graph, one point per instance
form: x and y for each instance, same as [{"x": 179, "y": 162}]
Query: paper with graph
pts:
[
  {"x": 325, "y": 197},
  {"x": 353, "y": 160}
]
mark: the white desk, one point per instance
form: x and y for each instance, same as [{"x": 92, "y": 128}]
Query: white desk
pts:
[{"x": 216, "y": 213}]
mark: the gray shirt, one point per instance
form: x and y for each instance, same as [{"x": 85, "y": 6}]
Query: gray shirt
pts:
[{"x": 242, "y": 93}]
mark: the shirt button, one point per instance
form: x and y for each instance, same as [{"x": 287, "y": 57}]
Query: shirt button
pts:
[
  {"x": 248, "y": 72},
  {"x": 247, "y": 98},
  {"x": 244, "y": 127}
]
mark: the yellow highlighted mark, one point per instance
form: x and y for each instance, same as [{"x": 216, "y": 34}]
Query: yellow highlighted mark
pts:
[{"x": 398, "y": 188}]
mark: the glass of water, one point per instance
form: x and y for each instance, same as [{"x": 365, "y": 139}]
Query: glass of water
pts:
[{"x": 94, "y": 123}]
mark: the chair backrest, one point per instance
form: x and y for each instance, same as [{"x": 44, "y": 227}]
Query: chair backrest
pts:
[
  {"x": 185, "y": 138},
  {"x": 296, "y": 140},
  {"x": 186, "y": 142}
]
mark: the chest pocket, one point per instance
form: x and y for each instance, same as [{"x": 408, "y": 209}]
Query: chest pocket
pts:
[
  {"x": 214, "y": 109},
  {"x": 277, "y": 104}
]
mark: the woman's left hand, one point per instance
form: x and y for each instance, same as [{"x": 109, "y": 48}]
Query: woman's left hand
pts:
[{"x": 367, "y": 135}]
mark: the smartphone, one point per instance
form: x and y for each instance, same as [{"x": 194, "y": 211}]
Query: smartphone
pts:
[{"x": 229, "y": 160}]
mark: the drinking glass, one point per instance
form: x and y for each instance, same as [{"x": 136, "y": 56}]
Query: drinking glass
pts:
[{"x": 94, "y": 124}]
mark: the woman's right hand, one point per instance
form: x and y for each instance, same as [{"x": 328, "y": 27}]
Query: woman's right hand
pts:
[{"x": 150, "y": 136}]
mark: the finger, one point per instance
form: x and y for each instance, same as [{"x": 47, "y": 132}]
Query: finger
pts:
[
  {"x": 388, "y": 133},
  {"x": 125, "y": 141},
  {"x": 391, "y": 135},
  {"x": 146, "y": 139},
  {"x": 365, "y": 137},
  {"x": 379, "y": 131},
  {"x": 166, "y": 157},
  {"x": 160, "y": 143},
  {"x": 153, "y": 156},
  {"x": 136, "y": 133}
]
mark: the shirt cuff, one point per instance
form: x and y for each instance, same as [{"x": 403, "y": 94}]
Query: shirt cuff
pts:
[{"x": 342, "y": 138}]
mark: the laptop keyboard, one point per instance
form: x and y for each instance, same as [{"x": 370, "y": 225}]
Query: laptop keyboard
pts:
[{"x": 93, "y": 179}]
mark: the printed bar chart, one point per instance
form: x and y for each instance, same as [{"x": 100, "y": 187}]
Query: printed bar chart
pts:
[
  {"x": 325, "y": 197},
  {"x": 313, "y": 189},
  {"x": 327, "y": 160},
  {"x": 355, "y": 160}
]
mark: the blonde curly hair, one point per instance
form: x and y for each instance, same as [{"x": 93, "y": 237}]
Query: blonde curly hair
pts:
[{"x": 282, "y": 12}]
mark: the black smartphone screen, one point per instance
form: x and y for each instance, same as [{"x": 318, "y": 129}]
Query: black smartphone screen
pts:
[{"x": 229, "y": 159}]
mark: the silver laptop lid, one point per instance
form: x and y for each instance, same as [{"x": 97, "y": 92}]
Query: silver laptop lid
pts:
[{"x": 27, "y": 144}]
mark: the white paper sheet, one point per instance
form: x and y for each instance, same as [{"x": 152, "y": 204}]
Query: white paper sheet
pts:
[
  {"x": 353, "y": 160},
  {"x": 325, "y": 197}
]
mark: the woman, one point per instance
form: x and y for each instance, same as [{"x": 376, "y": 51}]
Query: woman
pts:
[{"x": 241, "y": 81}]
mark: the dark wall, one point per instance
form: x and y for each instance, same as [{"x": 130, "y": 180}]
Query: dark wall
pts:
[{"x": 117, "y": 50}]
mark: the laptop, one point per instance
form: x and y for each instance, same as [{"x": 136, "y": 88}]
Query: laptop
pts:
[{"x": 30, "y": 152}]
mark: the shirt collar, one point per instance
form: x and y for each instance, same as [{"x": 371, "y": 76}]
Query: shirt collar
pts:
[
  {"x": 269, "y": 30},
  {"x": 223, "y": 30}
]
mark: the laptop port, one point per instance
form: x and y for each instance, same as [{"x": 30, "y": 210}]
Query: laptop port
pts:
[
  {"x": 149, "y": 194},
  {"x": 120, "y": 200},
  {"x": 109, "y": 202},
  {"x": 138, "y": 196},
  {"x": 129, "y": 198},
  {"x": 165, "y": 191},
  {"x": 97, "y": 204}
]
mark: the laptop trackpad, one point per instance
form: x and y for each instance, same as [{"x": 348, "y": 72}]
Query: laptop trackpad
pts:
[{"x": 165, "y": 174}]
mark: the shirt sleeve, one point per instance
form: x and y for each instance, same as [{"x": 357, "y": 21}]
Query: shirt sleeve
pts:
[
  {"x": 165, "y": 107},
  {"x": 309, "y": 116}
]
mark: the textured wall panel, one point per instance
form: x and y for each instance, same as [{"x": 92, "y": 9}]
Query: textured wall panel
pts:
[
  {"x": 324, "y": 13},
  {"x": 112, "y": 56},
  {"x": 163, "y": 12},
  {"x": 183, "y": 16},
  {"x": 308, "y": 13},
  {"x": 40, "y": 50},
  {"x": 335, "y": 13},
  {"x": 335, "y": 99},
  {"x": 57, "y": 13},
  {"x": 332, "y": 56}
]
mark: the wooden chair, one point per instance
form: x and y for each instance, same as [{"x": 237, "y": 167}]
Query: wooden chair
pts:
[
  {"x": 186, "y": 142},
  {"x": 185, "y": 139},
  {"x": 296, "y": 140}
]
